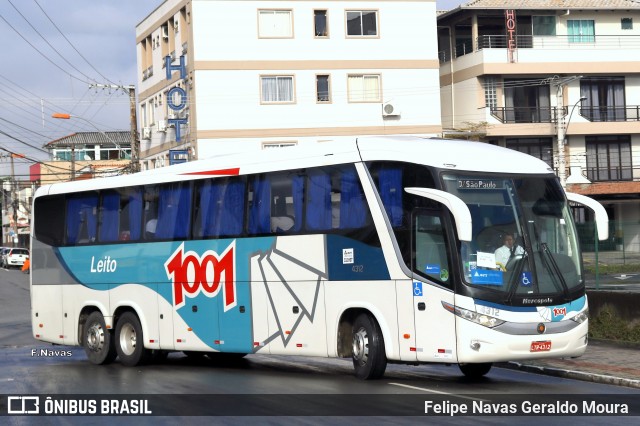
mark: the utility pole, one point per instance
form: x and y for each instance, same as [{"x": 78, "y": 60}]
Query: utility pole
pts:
[
  {"x": 135, "y": 143},
  {"x": 560, "y": 83}
]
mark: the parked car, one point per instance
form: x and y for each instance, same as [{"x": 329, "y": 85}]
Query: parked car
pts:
[{"x": 15, "y": 257}]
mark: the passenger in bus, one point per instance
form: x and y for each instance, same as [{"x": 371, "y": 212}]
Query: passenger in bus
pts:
[
  {"x": 150, "y": 229},
  {"x": 508, "y": 250},
  {"x": 281, "y": 223}
]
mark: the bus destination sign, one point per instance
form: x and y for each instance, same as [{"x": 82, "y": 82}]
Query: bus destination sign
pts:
[{"x": 479, "y": 184}]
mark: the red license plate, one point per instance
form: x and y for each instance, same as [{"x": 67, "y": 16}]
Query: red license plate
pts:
[{"x": 540, "y": 346}]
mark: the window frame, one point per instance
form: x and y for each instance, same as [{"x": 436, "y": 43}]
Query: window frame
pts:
[
  {"x": 274, "y": 11},
  {"x": 362, "y": 29},
  {"x": 620, "y": 145},
  {"x": 329, "y": 98},
  {"x": 626, "y": 23},
  {"x": 278, "y": 102},
  {"x": 351, "y": 99},
  {"x": 326, "y": 24}
]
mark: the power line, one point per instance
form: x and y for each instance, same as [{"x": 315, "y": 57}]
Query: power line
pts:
[
  {"x": 42, "y": 54},
  {"x": 71, "y": 44}
]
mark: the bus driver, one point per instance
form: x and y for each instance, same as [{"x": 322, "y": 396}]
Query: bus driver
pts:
[{"x": 507, "y": 251}]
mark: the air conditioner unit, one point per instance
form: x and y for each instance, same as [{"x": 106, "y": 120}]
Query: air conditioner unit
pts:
[
  {"x": 162, "y": 125},
  {"x": 165, "y": 32},
  {"x": 390, "y": 110},
  {"x": 146, "y": 133}
]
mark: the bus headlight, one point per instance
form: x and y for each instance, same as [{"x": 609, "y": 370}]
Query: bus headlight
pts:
[
  {"x": 581, "y": 317},
  {"x": 482, "y": 319}
]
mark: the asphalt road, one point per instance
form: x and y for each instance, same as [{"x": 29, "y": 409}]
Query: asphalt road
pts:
[{"x": 258, "y": 385}]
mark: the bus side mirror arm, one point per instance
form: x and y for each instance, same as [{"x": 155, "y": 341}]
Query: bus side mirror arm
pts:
[
  {"x": 602, "y": 219},
  {"x": 456, "y": 206}
]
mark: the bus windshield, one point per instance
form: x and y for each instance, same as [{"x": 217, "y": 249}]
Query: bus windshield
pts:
[{"x": 524, "y": 244}]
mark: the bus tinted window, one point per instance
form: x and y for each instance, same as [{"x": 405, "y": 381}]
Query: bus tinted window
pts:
[
  {"x": 120, "y": 215},
  {"x": 82, "y": 220},
  {"x": 335, "y": 200},
  {"x": 174, "y": 211},
  {"x": 219, "y": 208},
  {"x": 49, "y": 219}
]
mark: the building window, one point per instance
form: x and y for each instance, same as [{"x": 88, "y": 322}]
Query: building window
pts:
[
  {"x": 490, "y": 93},
  {"x": 323, "y": 93},
  {"x": 609, "y": 158},
  {"x": 581, "y": 31},
  {"x": 364, "y": 88},
  {"x": 626, "y": 23},
  {"x": 362, "y": 23},
  {"x": 526, "y": 103},
  {"x": 543, "y": 25},
  {"x": 275, "y": 24},
  {"x": 541, "y": 148},
  {"x": 277, "y": 89},
  {"x": 320, "y": 23},
  {"x": 605, "y": 100}
]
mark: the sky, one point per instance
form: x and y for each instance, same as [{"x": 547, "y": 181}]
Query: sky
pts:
[{"x": 54, "y": 53}]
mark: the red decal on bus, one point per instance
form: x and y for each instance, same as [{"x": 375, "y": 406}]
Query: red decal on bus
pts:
[
  {"x": 221, "y": 172},
  {"x": 192, "y": 274}
]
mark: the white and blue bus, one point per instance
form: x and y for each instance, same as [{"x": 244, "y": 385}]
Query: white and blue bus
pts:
[{"x": 382, "y": 249}]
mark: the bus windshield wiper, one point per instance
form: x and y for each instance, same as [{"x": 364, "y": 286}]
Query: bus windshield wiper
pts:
[
  {"x": 513, "y": 280},
  {"x": 554, "y": 266}
]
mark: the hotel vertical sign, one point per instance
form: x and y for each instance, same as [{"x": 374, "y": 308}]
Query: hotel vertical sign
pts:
[{"x": 510, "y": 23}]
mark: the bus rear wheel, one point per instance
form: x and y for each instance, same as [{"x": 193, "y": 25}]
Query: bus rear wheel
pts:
[
  {"x": 369, "y": 358},
  {"x": 97, "y": 341},
  {"x": 130, "y": 341},
  {"x": 475, "y": 371}
]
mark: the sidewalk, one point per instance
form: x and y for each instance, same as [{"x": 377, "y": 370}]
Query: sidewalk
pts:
[{"x": 603, "y": 362}]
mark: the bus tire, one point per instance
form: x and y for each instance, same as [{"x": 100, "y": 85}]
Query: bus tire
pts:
[
  {"x": 475, "y": 371},
  {"x": 130, "y": 341},
  {"x": 97, "y": 341},
  {"x": 369, "y": 358}
]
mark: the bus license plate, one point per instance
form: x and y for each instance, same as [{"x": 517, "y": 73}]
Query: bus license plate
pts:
[{"x": 540, "y": 346}]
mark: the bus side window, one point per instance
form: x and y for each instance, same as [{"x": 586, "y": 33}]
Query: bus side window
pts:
[
  {"x": 286, "y": 202},
  {"x": 319, "y": 217},
  {"x": 150, "y": 212},
  {"x": 259, "y": 205},
  {"x": 131, "y": 215},
  {"x": 109, "y": 217},
  {"x": 390, "y": 187},
  {"x": 354, "y": 212},
  {"x": 174, "y": 211},
  {"x": 82, "y": 219},
  {"x": 220, "y": 208},
  {"x": 430, "y": 246}
]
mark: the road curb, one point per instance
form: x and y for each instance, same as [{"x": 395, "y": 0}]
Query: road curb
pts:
[{"x": 571, "y": 374}]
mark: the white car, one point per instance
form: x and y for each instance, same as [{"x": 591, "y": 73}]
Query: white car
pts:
[{"x": 15, "y": 257}]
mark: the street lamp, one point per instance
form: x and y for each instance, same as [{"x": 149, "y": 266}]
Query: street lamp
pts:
[{"x": 64, "y": 116}]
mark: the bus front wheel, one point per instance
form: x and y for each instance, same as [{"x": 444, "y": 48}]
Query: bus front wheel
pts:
[
  {"x": 475, "y": 371},
  {"x": 369, "y": 358},
  {"x": 97, "y": 341},
  {"x": 129, "y": 340}
]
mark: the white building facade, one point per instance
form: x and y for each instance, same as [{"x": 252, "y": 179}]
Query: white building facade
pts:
[
  {"x": 259, "y": 74},
  {"x": 557, "y": 80}
]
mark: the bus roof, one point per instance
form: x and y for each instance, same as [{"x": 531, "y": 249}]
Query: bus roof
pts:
[{"x": 451, "y": 154}]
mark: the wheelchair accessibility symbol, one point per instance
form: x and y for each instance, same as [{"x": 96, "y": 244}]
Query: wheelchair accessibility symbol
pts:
[
  {"x": 525, "y": 279},
  {"x": 417, "y": 288}
]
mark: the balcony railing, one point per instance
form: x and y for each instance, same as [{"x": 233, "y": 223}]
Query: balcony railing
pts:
[
  {"x": 573, "y": 42},
  {"x": 605, "y": 113},
  {"x": 526, "y": 114},
  {"x": 602, "y": 174}
]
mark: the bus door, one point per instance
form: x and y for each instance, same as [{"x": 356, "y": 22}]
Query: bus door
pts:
[{"x": 431, "y": 287}]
